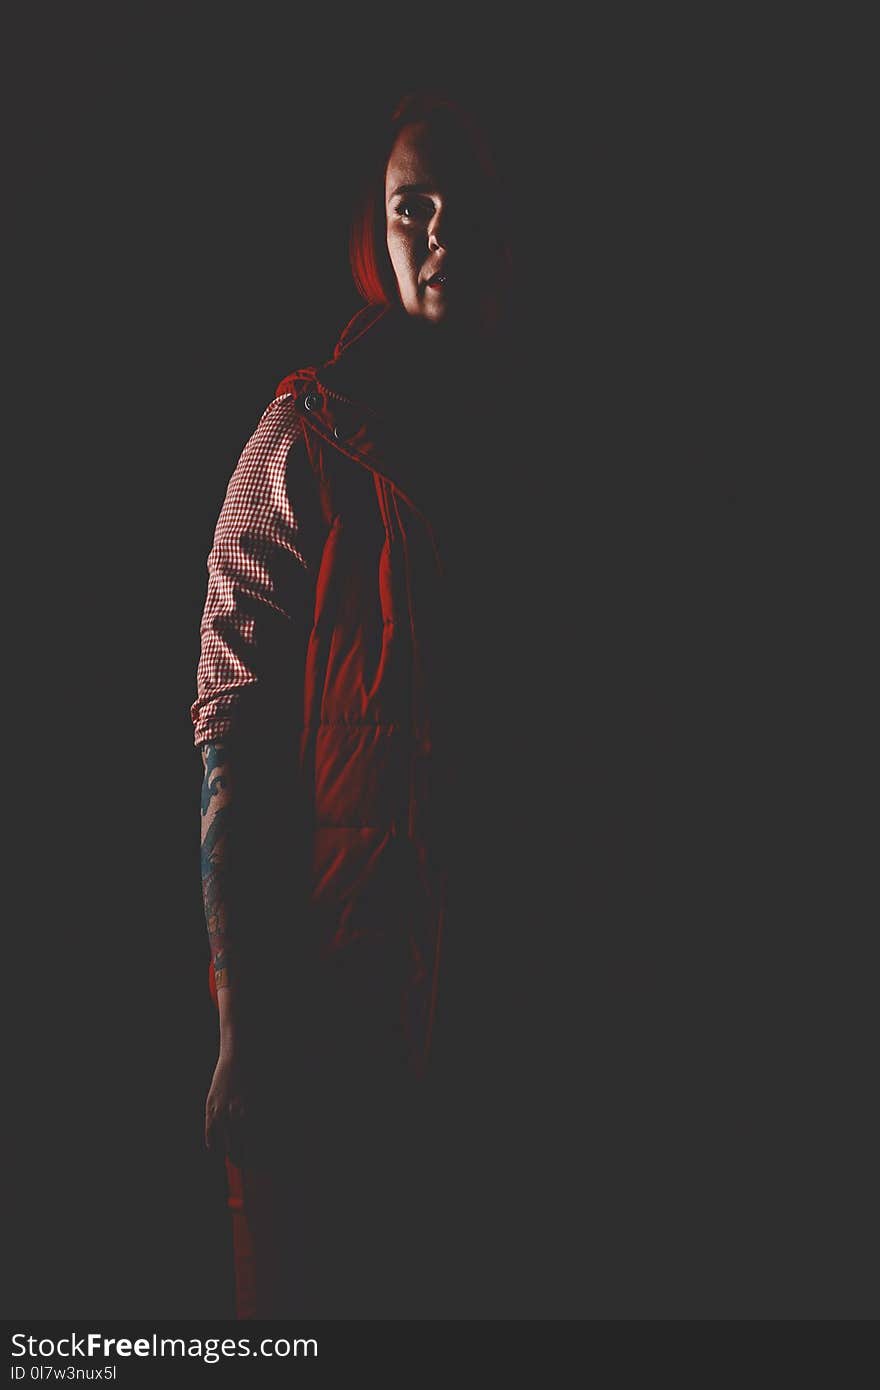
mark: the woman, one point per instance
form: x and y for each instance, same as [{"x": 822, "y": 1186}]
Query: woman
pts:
[{"x": 333, "y": 712}]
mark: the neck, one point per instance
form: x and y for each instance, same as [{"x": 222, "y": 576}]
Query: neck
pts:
[{"x": 442, "y": 349}]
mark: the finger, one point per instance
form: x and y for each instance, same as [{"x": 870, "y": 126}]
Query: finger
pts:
[{"x": 213, "y": 1127}]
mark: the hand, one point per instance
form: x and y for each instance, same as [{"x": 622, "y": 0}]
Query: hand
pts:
[{"x": 225, "y": 1110}]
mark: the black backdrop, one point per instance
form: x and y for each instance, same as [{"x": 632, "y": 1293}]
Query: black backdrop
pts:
[{"x": 653, "y": 1135}]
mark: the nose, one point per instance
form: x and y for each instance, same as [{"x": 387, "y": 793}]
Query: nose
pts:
[{"x": 437, "y": 231}]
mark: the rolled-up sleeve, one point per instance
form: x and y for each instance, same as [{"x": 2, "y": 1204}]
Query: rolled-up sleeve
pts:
[{"x": 259, "y": 583}]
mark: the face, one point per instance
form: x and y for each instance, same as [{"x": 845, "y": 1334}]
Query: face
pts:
[{"x": 437, "y": 247}]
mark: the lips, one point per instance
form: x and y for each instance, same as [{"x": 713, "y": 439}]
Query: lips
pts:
[{"x": 437, "y": 280}]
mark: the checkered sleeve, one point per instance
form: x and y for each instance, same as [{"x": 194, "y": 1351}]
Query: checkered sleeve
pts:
[{"x": 258, "y": 582}]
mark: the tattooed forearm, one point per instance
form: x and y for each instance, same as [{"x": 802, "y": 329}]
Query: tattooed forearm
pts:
[
  {"x": 216, "y": 779},
  {"x": 216, "y": 815}
]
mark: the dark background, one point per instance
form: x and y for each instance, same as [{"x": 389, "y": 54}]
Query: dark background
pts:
[{"x": 667, "y": 1116}]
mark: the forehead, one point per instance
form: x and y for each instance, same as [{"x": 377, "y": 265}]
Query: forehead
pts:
[{"x": 434, "y": 157}]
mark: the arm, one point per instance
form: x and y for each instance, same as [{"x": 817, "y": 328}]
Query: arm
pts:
[
  {"x": 254, "y": 630},
  {"x": 225, "y": 1105},
  {"x": 217, "y": 815}
]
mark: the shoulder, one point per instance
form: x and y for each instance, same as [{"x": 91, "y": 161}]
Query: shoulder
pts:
[
  {"x": 262, "y": 465},
  {"x": 278, "y": 426},
  {"x": 275, "y": 464}
]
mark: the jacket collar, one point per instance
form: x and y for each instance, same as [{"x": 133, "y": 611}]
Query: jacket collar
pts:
[
  {"x": 354, "y": 400},
  {"x": 395, "y": 399},
  {"x": 360, "y": 375}
]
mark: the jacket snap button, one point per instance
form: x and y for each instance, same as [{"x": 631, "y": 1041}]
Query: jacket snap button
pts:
[
  {"x": 341, "y": 434},
  {"x": 311, "y": 401}
]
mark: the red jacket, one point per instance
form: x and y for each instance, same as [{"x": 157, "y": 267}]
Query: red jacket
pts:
[{"x": 325, "y": 611}]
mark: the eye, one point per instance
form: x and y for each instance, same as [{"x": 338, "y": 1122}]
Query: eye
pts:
[{"x": 414, "y": 209}]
